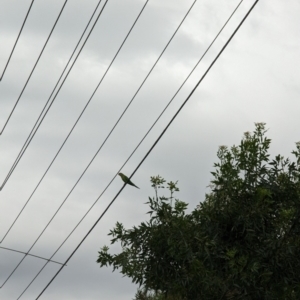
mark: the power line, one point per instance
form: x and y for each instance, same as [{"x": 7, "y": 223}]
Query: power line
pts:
[
  {"x": 111, "y": 131},
  {"x": 48, "y": 108},
  {"x": 12, "y": 51},
  {"x": 36, "y": 256},
  {"x": 102, "y": 143},
  {"x": 34, "y": 67},
  {"x": 147, "y": 152},
  {"x": 36, "y": 127},
  {"x": 163, "y": 132},
  {"x": 65, "y": 142},
  {"x": 97, "y": 154},
  {"x": 137, "y": 145},
  {"x": 76, "y": 121}
]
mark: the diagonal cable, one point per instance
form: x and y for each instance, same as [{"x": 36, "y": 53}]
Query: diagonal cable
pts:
[
  {"x": 13, "y": 49},
  {"x": 152, "y": 147},
  {"x": 34, "y": 67},
  {"x": 37, "y": 124},
  {"x": 64, "y": 143},
  {"x": 102, "y": 143},
  {"x": 36, "y": 256},
  {"x": 133, "y": 151},
  {"x": 74, "y": 124},
  {"x": 111, "y": 131}
]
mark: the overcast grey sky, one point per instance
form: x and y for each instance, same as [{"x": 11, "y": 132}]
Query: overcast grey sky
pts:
[{"x": 255, "y": 80}]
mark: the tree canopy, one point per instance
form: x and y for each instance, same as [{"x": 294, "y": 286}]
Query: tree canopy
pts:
[{"x": 241, "y": 242}]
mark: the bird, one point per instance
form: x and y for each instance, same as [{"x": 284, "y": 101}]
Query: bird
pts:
[{"x": 127, "y": 180}]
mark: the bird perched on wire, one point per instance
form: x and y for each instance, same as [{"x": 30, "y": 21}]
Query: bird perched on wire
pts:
[{"x": 127, "y": 180}]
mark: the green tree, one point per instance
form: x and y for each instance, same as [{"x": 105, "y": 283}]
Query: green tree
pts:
[{"x": 241, "y": 242}]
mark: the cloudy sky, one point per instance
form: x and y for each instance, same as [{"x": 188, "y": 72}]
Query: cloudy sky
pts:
[{"x": 255, "y": 80}]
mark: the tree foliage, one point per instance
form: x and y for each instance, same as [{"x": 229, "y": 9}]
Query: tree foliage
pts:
[{"x": 241, "y": 242}]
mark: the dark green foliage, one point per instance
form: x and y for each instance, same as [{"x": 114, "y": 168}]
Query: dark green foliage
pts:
[
  {"x": 148, "y": 295},
  {"x": 242, "y": 242}
]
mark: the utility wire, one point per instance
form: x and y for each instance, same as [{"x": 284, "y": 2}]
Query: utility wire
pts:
[
  {"x": 34, "y": 67},
  {"x": 36, "y": 256},
  {"x": 73, "y": 126},
  {"x": 106, "y": 137},
  {"x": 160, "y": 136},
  {"x": 65, "y": 142},
  {"x": 152, "y": 147},
  {"x": 97, "y": 154},
  {"x": 138, "y": 146},
  {"x": 36, "y": 125},
  {"x": 111, "y": 131},
  {"x": 12, "y": 51}
]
